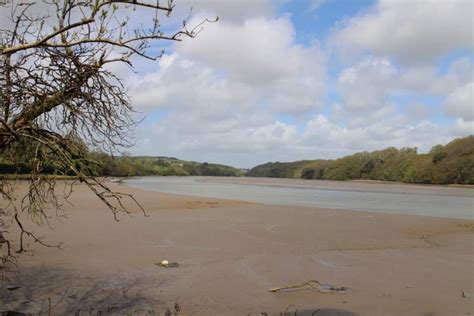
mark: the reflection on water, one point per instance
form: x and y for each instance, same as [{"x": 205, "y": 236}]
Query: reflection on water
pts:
[{"x": 404, "y": 199}]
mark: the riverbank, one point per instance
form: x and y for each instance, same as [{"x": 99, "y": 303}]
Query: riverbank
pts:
[{"x": 230, "y": 253}]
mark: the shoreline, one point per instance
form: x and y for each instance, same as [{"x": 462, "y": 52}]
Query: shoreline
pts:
[
  {"x": 363, "y": 181},
  {"x": 357, "y": 181},
  {"x": 231, "y": 252}
]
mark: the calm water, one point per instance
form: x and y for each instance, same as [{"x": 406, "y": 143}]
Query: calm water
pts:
[{"x": 400, "y": 199}]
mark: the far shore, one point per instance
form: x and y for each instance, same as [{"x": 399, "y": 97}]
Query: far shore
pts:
[
  {"x": 455, "y": 185},
  {"x": 231, "y": 252},
  {"x": 119, "y": 179}
]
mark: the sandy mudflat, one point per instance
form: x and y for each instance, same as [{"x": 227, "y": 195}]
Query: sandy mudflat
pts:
[
  {"x": 354, "y": 185},
  {"x": 231, "y": 252}
]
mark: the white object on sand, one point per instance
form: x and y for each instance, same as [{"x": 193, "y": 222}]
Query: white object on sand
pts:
[{"x": 164, "y": 262}]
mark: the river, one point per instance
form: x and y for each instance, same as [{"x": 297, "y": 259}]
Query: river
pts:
[{"x": 439, "y": 201}]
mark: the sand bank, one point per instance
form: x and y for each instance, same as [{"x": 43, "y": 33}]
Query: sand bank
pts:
[
  {"x": 461, "y": 190},
  {"x": 231, "y": 252}
]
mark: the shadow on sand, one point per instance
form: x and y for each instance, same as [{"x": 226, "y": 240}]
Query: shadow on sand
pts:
[
  {"x": 47, "y": 291},
  {"x": 55, "y": 291}
]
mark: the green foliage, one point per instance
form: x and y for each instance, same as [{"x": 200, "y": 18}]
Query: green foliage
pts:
[
  {"x": 308, "y": 173},
  {"x": 23, "y": 159},
  {"x": 27, "y": 156},
  {"x": 452, "y": 163},
  {"x": 164, "y": 166},
  {"x": 438, "y": 153},
  {"x": 279, "y": 169}
]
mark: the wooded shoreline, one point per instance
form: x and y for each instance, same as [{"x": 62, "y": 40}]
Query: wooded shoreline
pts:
[{"x": 449, "y": 164}]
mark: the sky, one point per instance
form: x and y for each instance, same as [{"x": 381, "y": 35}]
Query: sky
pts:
[{"x": 289, "y": 80}]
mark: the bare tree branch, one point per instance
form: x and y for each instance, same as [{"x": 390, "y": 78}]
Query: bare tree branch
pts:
[{"x": 57, "y": 98}]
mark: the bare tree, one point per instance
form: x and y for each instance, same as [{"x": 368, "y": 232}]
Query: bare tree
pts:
[{"x": 57, "y": 93}]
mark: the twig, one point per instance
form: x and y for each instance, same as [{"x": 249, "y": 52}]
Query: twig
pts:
[{"x": 321, "y": 287}]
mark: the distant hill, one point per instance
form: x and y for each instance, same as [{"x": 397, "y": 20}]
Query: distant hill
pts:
[
  {"x": 163, "y": 166},
  {"x": 124, "y": 166},
  {"x": 449, "y": 164}
]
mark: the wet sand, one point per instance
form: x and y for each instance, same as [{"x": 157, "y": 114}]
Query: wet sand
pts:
[
  {"x": 231, "y": 252},
  {"x": 352, "y": 185}
]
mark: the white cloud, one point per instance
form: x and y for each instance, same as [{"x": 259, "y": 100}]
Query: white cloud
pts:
[
  {"x": 230, "y": 11},
  {"x": 314, "y": 5},
  {"x": 257, "y": 137},
  {"x": 462, "y": 128},
  {"x": 460, "y": 102},
  {"x": 257, "y": 51},
  {"x": 181, "y": 83},
  {"x": 418, "y": 111},
  {"x": 255, "y": 62},
  {"x": 410, "y": 31},
  {"x": 364, "y": 90},
  {"x": 332, "y": 140},
  {"x": 426, "y": 79},
  {"x": 263, "y": 53}
]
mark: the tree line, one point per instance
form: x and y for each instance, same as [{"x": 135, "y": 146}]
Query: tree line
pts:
[
  {"x": 23, "y": 159},
  {"x": 452, "y": 163}
]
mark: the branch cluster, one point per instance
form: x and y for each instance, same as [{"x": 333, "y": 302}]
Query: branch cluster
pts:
[{"x": 57, "y": 93}]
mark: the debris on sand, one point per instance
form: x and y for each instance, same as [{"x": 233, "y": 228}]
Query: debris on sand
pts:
[
  {"x": 465, "y": 294},
  {"x": 177, "y": 309},
  {"x": 13, "y": 288},
  {"x": 313, "y": 285},
  {"x": 167, "y": 264},
  {"x": 427, "y": 239}
]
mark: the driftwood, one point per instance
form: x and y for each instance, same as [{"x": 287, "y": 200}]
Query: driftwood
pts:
[{"x": 312, "y": 284}]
